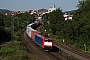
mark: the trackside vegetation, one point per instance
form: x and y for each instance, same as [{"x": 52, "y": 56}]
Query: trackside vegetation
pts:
[
  {"x": 11, "y": 27},
  {"x": 75, "y": 32},
  {"x": 15, "y": 50}
]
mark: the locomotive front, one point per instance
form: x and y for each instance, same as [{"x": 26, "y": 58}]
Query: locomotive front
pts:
[{"x": 48, "y": 43}]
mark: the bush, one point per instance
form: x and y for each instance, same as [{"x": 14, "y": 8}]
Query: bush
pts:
[{"x": 15, "y": 51}]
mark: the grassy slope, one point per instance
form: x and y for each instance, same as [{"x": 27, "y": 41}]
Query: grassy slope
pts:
[{"x": 15, "y": 50}]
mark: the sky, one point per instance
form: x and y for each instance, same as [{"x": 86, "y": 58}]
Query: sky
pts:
[{"x": 25, "y": 5}]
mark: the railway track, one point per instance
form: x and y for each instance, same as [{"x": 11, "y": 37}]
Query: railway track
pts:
[
  {"x": 72, "y": 51},
  {"x": 56, "y": 56},
  {"x": 38, "y": 52}
]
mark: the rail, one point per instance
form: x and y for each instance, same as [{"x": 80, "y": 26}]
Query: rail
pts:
[{"x": 72, "y": 51}]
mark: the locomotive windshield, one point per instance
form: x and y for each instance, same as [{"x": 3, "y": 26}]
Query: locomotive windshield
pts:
[{"x": 48, "y": 40}]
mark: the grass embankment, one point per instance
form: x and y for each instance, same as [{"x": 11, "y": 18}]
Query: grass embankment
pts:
[{"x": 15, "y": 50}]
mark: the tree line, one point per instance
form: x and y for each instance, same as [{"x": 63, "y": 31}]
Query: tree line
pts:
[
  {"x": 76, "y": 31},
  {"x": 13, "y": 25}
]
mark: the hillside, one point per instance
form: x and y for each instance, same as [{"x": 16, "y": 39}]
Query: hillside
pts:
[
  {"x": 4, "y": 10},
  {"x": 40, "y": 10},
  {"x": 69, "y": 11}
]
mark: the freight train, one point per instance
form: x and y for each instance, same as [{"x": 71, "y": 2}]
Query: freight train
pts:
[{"x": 44, "y": 42}]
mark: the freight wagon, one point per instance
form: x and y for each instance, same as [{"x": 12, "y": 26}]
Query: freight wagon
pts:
[
  {"x": 29, "y": 29},
  {"x": 43, "y": 41}
]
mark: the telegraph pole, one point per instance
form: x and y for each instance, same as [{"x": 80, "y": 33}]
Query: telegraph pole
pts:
[
  {"x": 67, "y": 33},
  {"x": 12, "y": 24}
]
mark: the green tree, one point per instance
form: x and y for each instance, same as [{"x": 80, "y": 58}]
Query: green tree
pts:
[
  {"x": 81, "y": 23},
  {"x": 55, "y": 20},
  {"x": 56, "y": 17},
  {"x": 1, "y": 21}
]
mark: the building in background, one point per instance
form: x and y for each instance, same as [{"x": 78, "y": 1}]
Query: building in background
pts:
[
  {"x": 39, "y": 13},
  {"x": 51, "y": 9},
  {"x": 68, "y": 16}
]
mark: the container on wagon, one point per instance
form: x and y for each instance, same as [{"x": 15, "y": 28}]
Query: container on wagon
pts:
[
  {"x": 33, "y": 33},
  {"x": 29, "y": 30},
  {"x": 39, "y": 41}
]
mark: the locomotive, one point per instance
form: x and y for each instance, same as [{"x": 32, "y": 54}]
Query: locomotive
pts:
[{"x": 44, "y": 42}]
